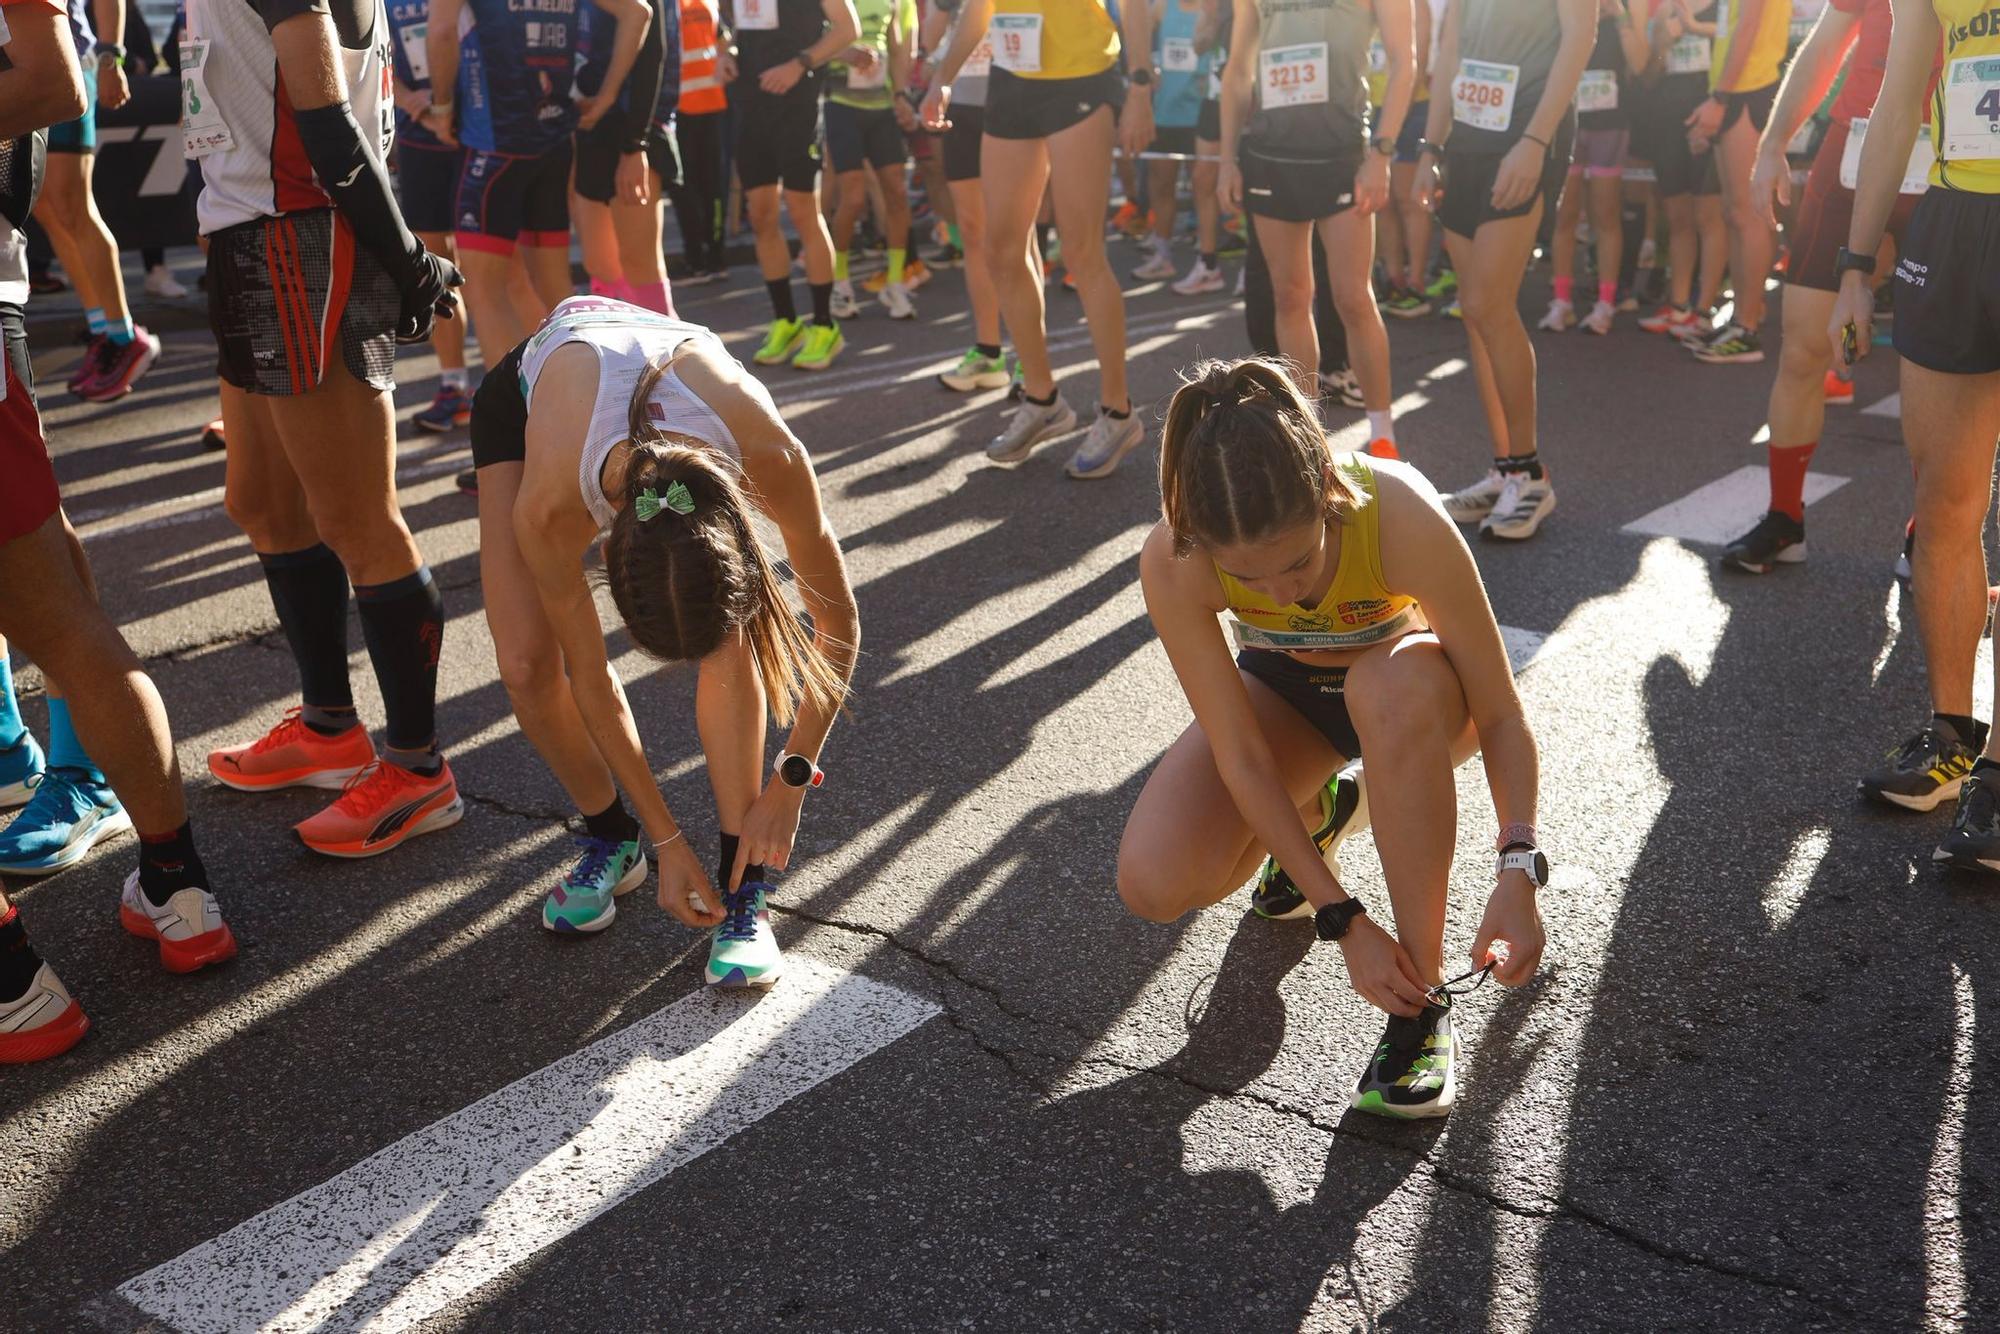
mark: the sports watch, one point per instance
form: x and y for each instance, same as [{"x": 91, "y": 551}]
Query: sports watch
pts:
[
  {"x": 1845, "y": 260},
  {"x": 1141, "y": 77},
  {"x": 798, "y": 771},
  {"x": 1383, "y": 144},
  {"x": 1332, "y": 921},
  {"x": 1530, "y": 860}
]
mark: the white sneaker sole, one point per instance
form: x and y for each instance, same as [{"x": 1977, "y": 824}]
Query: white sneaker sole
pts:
[
  {"x": 1049, "y": 430},
  {"x": 1949, "y": 792},
  {"x": 727, "y": 982},
  {"x": 1522, "y": 528},
  {"x": 1110, "y": 465},
  {"x": 973, "y": 384},
  {"x": 109, "y": 827},
  {"x": 631, "y": 880},
  {"x": 331, "y": 780}
]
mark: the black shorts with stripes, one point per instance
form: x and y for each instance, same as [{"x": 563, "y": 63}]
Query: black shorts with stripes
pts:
[{"x": 286, "y": 295}]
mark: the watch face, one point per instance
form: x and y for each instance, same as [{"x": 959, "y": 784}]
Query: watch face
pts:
[
  {"x": 1541, "y": 868},
  {"x": 797, "y": 771}
]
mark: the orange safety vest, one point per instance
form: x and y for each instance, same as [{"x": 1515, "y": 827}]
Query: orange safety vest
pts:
[{"x": 701, "y": 89}]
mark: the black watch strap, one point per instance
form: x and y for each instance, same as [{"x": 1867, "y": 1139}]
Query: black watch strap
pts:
[
  {"x": 1332, "y": 921},
  {"x": 1845, "y": 260}
]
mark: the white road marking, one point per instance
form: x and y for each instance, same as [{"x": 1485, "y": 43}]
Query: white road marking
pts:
[
  {"x": 1523, "y": 646},
  {"x": 439, "y": 1214},
  {"x": 1724, "y": 510},
  {"x": 1945, "y": 1289},
  {"x": 1787, "y": 891},
  {"x": 1892, "y": 406}
]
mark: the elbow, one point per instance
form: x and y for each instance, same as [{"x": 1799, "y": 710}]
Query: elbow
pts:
[{"x": 65, "y": 102}]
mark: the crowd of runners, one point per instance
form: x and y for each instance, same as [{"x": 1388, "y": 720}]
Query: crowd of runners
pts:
[{"x": 373, "y": 175}]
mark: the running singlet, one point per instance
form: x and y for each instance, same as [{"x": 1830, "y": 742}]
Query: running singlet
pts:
[
  {"x": 1764, "y": 27},
  {"x": 870, "y": 90},
  {"x": 1053, "y": 39},
  {"x": 409, "y": 23},
  {"x": 1505, "y": 51},
  {"x": 516, "y": 67},
  {"x": 1311, "y": 78},
  {"x": 597, "y": 37},
  {"x": 969, "y": 89},
  {"x": 1965, "y": 109},
  {"x": 20, "y": 181},
  {"x": 1183, "y": 73},
  {"x": 236, "y": 120},
  {"x": 626, "y": 340},
  {"x": 1600, "y": 99},
  {"x": 1358, "y": 610},
  {"x": 770, "y": 32}
]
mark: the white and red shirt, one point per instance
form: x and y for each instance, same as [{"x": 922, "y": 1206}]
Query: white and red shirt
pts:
[{"x": 13, "y": 245}]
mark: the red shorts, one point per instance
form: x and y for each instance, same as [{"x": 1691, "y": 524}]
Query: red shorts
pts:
[
  {"x": 1825, "y": 210},
  {"x": 28, "y": 495}
]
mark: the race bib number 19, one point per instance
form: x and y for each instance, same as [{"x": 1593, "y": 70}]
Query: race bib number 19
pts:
[
  {"x": 1482, "y": 95},
  {"x": 1017, "y": 42},
  {"x": 1971, "y": 109},
  {"x": 757, "y": 15},
  {"x": 203, "y": 131},
  {"x": 1292, "y": 76}
]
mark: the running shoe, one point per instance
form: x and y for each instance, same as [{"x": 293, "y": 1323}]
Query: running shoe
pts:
[
  {"x": 1383, "y": 448},
  {"x": 1925, "y": 771},
  {"x": 382, "y": 807},
  {"x": 844, "y": 306},
  {"x": 1518, "y": 511},
  {"x": 781, "y": 341},
  {"x": 212, "y": 437},
  {"x": 915, "y": 275},
  {"x": 21, "y": 766},
  {"x": 468, "y": 482},
  {"x": 1668, "y": 320},
  {"x": 1600, "y": 319},
  {"x": 188, "y": 925},
  {"x": 1342, "y": 388},
  {"x": 1973, "y": 841},
  {"x": 1202, "y": 278},
  {"x": 587, "y": 898},
  {"x": 743, "y": 951},
  {"x": 1414, "y": 1071},
  {"x": 1561, "y": 317},
  {"x": 121, "y": 367},
  {"x": 1128, "y": 220},
  {"x": 975, "y": 371},
  {"x": 1904, "y": 570},
  {"x": 1406, "y": 303},
  {"x": 946, "y": 256},
  {"x": 41, "y": 1022},
  {"x": 451, "y": 407},
  {"x": 1109, "y": 440},
  {"x": 162, "y": 285},
  {"x": 1778, "y": 539},
  {"x": 1159, "y": 262},
  {"x": 96, "y": 348},
  {"x": 1734, "y": 346},
  {"x": 823, "y": 343},
  {"x": 1694, "y": 335},
  {"x": 68, "y": 815},
  {"x": 1475, "y": 502},
  {"x": 895, "y": 299},
  {"x": 1343, "y": 813},
  {"x": 1442, "y": 286},
  {"x": 293, "y": 755},
  {"x": 1454, "y": 311},
  {"x": 1028, "y": 425},
  {"x": 1839, "y": 393}
]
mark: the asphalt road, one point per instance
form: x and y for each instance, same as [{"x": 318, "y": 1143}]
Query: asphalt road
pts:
[{"x": 1745, "y": 1092}]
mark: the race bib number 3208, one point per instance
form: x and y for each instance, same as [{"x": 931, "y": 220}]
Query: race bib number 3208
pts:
[{"x": 1482, "y": 96}]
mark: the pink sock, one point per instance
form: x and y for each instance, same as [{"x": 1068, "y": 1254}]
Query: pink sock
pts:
[
  {"x": 598, "y": 287},
  {"x": 625, "y": 292},
  {"x": 1564, "y": 286},
  {"x": 1608, "y": 293},
  {"x": 654, "y": 297}
]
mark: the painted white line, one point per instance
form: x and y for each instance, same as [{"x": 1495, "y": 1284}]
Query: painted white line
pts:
[
  {"x": 1945, "y": 1289},
  {"x": 1722, "y": 511},
  {"x": 1892, "y": 406},
  {"x": 1523, "y": 646},
  {"x": 439, "y": 1214}
]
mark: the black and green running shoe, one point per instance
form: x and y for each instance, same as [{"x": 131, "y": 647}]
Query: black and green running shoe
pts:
[
  {"x": 1973, "y": 842},
  {"x": 1415, "y": 1069},
  {"x": 1343, "y": 813},
  {"x": 1925, "y": 771}
]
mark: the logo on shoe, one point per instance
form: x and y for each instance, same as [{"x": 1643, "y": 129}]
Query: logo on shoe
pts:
[{"x": 393, "y": 823}]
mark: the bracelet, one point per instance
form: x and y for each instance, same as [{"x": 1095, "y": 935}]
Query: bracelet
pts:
[
  {"x": 1536, "y": 139},
  {"x": 665, "y": 841},
  {"x": 1514, "y": 833},
  {"x": 1426, "y": 146}
]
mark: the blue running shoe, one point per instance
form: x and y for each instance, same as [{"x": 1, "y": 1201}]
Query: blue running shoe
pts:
[
  {"x": 21, "y": 766},
  {"x": 743, "y": 951},
  {"x": 451, "y": 407},
  {"x": 587, "y": 899},
  {"x": 67, "y": 817}
]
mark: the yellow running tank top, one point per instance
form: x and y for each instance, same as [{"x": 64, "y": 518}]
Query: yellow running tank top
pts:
[
  {"x": 1766, "y": 32},
  {"x": 1358, "y": 609},
  {"x": 1053, "y": 39},
  {"x": 1965, "y": 108}
]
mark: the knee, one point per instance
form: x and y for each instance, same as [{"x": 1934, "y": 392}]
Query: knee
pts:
[
  {"x": 1398, "y": 700},
  {"x": 529, "y": 673},
  {"x": 1292, "y": 298},
  {"x": 1355, "y": 303},
  {"x": 1146, "y": 887},
  {"x": 1804, "y": 355},
  {"x": 260, "y": 520},
  {"x": 361, "y": 534},
  {"x": 1948, "y": 501},
  {"x": 1484, "y": 309},
  {"x": 763, "y": 210}
]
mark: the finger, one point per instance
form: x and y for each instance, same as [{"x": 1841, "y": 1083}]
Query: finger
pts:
[
  {"x": 1519, "y": 968},
  {"x": 742, "y": 860},
  {"x": 1481, "y": 943}
]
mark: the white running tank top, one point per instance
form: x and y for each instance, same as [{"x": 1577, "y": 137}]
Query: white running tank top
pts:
[{"x": 626, "y": 339}]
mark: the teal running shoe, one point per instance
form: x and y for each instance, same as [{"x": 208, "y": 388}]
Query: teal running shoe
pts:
[
  {"x": 21, "y": 766},
  {"x": 68, "y": 816},
  {"x": 587, "y": 899},
  {"x": 1343, "y": 813},
  {"x": 744, "y": 951}
]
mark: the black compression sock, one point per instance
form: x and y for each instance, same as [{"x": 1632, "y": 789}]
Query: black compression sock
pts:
[
  {"x": 169, "y": 864},
  {"x": 781, "y": 298},
  {"x": 18, "y": 961},
  {"x": 1531, "y": 464},
  {"x": 309, "y": 591},
  {"x": 1115, "y": 416},
  {"x": 726, "y": 863},
  {"x": 987, "y": 349},
  {"x": 822, "y": 294},
  {"x": 403, "y": 623},
  {"x": 1965, "y": 727},
  {"x": 1048, "y": 402},
  {"x": 613, "y": 824}
]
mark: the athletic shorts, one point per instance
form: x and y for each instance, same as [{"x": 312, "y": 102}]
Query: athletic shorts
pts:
[
  {"x": 777, "y": 138},
  {"x": 1948, "y": 284},
  {"x": 1659, "y": 135},
  {"x": 1287, "y": 190},
  {"x": 285, "y": 295},
  {"x": 1018, "y": 108},
  {"x": 1756, "y": 103},
  {"x": 858, "y": 137},
  {"x": 1409, "y": 143},
  {"x": 427, "y": 184},
  {"x": 29, "y": 498},
  {"x": 1173, "y": 139},
  {"x": 505, "y": 201},
  {"x": 597, "y": 154},
  {"x": 1208, "y": 123},
  {"x": 79, "y": 135},
  {"x": 1824, "y": 212},
  {"x": 961, "y": 143},
  {"x": 1600, "y": 153},
  {"x": 1468, "y": 188},
  {"x": 500, "y": 415},
  {"x": 1318, "y": 693}
]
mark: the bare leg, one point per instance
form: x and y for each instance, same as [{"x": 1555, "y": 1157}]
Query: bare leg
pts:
[
  {"x": 1950, "y": 425},
  {"x": 1490, "y": 267},
  {"x": 729, "y": 715},
  {"x": 1077, "y": 157},
  {"x": 1012, "y": 173}
]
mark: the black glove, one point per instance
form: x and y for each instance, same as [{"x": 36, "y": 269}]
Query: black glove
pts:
[{"x": 425, "y": 282}]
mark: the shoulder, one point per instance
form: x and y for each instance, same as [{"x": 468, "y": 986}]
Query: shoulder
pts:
[
  {"x": 1190, "y": 578},
  {"x": 770, "y": 451},
  {"x": 1400, "y": 490}
]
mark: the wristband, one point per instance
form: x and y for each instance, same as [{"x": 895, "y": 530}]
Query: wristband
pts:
[
  {"x": 1426, "y": 146},
  {"x": 1514, "y": 833}
]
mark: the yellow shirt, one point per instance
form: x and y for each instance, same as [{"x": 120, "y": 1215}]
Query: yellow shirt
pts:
[
  {"x": 1766, "y": 25},
  {"x": 1358, "y": 609},
  {"x": 1965, "y": 108},
  {"x": 1053, "y": 39}
]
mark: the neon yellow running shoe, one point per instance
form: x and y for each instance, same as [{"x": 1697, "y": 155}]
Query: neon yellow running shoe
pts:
[
  {"x": 823, "y": 343},
  {"x": 781, "y": 341}
]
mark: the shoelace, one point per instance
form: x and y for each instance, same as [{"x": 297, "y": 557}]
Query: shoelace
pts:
[
  {"x": 1450, "y": 987},
  {"x": 1912, "y": 753},
  {"x": 282, "y": 734},
  {"x": 596, "y": 856},
  {"x": 351, "y": 800},
  {"x": 739, "y": 907}
]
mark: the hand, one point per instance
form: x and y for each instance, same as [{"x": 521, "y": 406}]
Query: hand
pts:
[
  {"x": 1135, "y": 127},
  {"x": 1380, "y": 970},
  {"x": 1855, "y": 305},
  {"x": 1229, "y": 187},
  {"x": 684, "y": 888},
  {"x": 434, "y": 119},
  {"x": 781, "y": 78},
  {"x": 1520, "y": 174},
  {"x": 906, "y": 119},
  {"x": 426, "y": 284},
  {"x": 860, "y": 58},
  {"x": 634, "y": 184},
  {"x": 1770, "y": 179},
  {"x": 1703, "y": 124},
  {"x": 1511, "y": 915},
  {"x": 411, "y": 102},
  {"x": 113, "y": 89},
  {"x": 725, "y": 67},
  {"x": 937, "y": 105},
  {"x": 1371, "y": 184},
  {"x": 591, "y": 110},
  {"x": 769, "y": 830}
]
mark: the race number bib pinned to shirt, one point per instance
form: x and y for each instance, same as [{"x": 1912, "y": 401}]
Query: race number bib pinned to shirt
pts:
[
  {"x": 1017, "y": 42},
  {"x": 1292, "y": 76},
  {"x": 1597, "y": 90},
  {"x": 416, "y": 52},
  {"x": 1482, "y": 95},
  {"x": 757, "y": 15},
  {"x": 1691, "y": 54},
  {"x": 203, "y": 131},
  {"x": 980, "y": 63},
  {"x": 875, "y": 76},
  {"x": 1177, "y": 55},
  {"x": 1916, "y": 173},
  {"x": 1971, "y": 109}
]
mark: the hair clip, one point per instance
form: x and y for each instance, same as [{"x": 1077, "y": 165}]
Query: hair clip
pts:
[{"x": 648, "y": 505}]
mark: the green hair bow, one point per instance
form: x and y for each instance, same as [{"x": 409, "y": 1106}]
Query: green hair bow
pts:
[{"x": 649, "y": 504}]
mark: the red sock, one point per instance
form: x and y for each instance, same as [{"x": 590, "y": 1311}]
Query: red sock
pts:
[
  {"x": 598, "y": 287},
  {"x": 1788, "y": 478},
  {"x": 654, "y": 297}
]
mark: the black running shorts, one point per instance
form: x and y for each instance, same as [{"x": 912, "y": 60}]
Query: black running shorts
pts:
[
  {"x": 287, "y": 295},
  {"x": 961, "y": 143},
  {"x": 427, "y": 184},
  {"x": 1290, "y": 190},
  {"x": 1318, "y": 693},
  {"x": 1018, "y": 108},
  {"x": 597, "y": 154},
  {"x": 1208, "y": 121},
  {"x": 858, "y": 137},
  {"x": 506, "y": 201},
  {"x": 777, "y": 138},
  {"x": 1948, "y": 284},
  {"x": 1468, "y": 186},
  {"x": 1755, "y": 104},
  {"x": 500, "y": 415}
]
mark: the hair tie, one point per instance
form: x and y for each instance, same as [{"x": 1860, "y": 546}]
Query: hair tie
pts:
[{"x": 649, "y": 504}]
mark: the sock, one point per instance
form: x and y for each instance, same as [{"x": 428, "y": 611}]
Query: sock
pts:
[
  {"x": 1048, "y": 402},
  {"x": 18, "y": 961},
  {"x": 169, "y": 864},
  {"x": 402, "y": 622},
  {"x": 1788, "y": 478},
  {"x": 1608, "y": 293},
  {"x": 987, "y": 350},
  {"x": 119, "y": 331},
  {"x": 840, "y": 265},
  {"x": 598, "y": 287},
  {"x": 1530, "y": 464},
  {"x": 1115, "y": 416},
  {"x": 1986, "y": 766},
  {"x": 822, "y": 294},
  {"x": 1208, "y": 258},
  {"x": 1564, "y": 286},
  {"x": 654, "y": 297},
  {"x": 951, "y": 230},
  {"x": 727, "y": 863},
  {"x": 309, "y": 591},
  {"x": 11, "y": 725},
  {"x": 1965, "y": 727},
  {"x": 781, "y": 298},
  {"x": 898, "y": 257},
  {"x": 1381, "y": 426},
  {"x": 453, "y": 378},
  {"x": 94, "y": 317},
  {"x": 613, "y": 824},
  {"x": 65, "y": 750}
]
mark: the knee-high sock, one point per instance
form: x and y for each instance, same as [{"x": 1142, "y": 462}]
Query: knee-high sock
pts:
[
  {"x": 403, "y": 624},
  {"x": 309, "y": 590},
  {"x": 65, "y": 747}
]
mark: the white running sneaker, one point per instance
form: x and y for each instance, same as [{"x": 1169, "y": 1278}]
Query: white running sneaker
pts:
[
  {"x": 161, "y": 283},
  {"x": 896, "y": 299},
  {"x": 1342, "y": 388},
  {"x": 1109, "y": 441},
  {"x": 1028, "y": 426},
  {"x": 1203, "y": 277},
  {"x": 1561, "y": 316},
  {"x": 1475, "y": 502},
  {"x": 1522, "y": 505},
  {"x": 188, "y": 926},
  {"x": 844, "y": 306},
  {"x": 743, "y": 951},
  {"x": 1159, "y": 262},
  {"x": 1600, "y": 318}
]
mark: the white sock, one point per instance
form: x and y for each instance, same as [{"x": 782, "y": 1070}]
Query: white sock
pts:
[
  {"x": 1380, "y": 427},
  {"x": 452, "y": 377}
]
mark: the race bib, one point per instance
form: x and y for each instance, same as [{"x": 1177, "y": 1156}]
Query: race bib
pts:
[
  {"x": 1177, "y": 55},
  {"x": 875, "y": 76},
  {"x": 1017, "y": 42},
  {"x": 1971, "y": 109},
  {"x": 1916, "y": 173},
  {"x": 1597, "y": 90},
  {"x": 757, "y": 15},
  {"x": 203, "y": 131},
  {"x": 1292, "y": 76},
  {"x": 1378, "y": 57},
  {"x": 1215, "y": 84},
  {"x": 1691, "y": 54},
  {"x": 980, "y": 63},
  {"x": 1320, "y": 641},
  {"x": 416, "y": 52},
  {"x": 1801, "y": 143},
  {"x": 1482, "y": 95}
]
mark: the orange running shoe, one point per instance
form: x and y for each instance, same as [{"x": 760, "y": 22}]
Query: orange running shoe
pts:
[
  {"x": 1382, "y": 449},
  {"x": 293, "y": 755},
  {"x": 188, "y": 926},
  {"x": 42, "y": 1022},
  {"x": 382, "y": 806},
  {"x": 1839, "y": 392},
  {"x": 915, "y": 274}
]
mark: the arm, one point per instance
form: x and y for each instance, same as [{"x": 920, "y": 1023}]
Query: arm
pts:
[
  {"x": 1741, "y": 40},
  {"x": 40, "y": 84},
  {"x": 901, "y": 57},
  {"x": 974, "y": 18},
  {"x": 1398, "y": 26},
  {"x": 1135, "y": 126},
  {"x": 843, "y": 28},
  {"x": 1422, "y": 39},
  {"x": 1437, "y": 122},
  {"x": 1812, "y": 72},
  {"x": 108, "y": 18},
  {"x": 1632, "y": 38},
  {"x": 1238, "y": 84},
  {"x": 634, "y": 22},
  {"x": 441, "y": 53},
  {"x": 1521, "y": 170}
]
